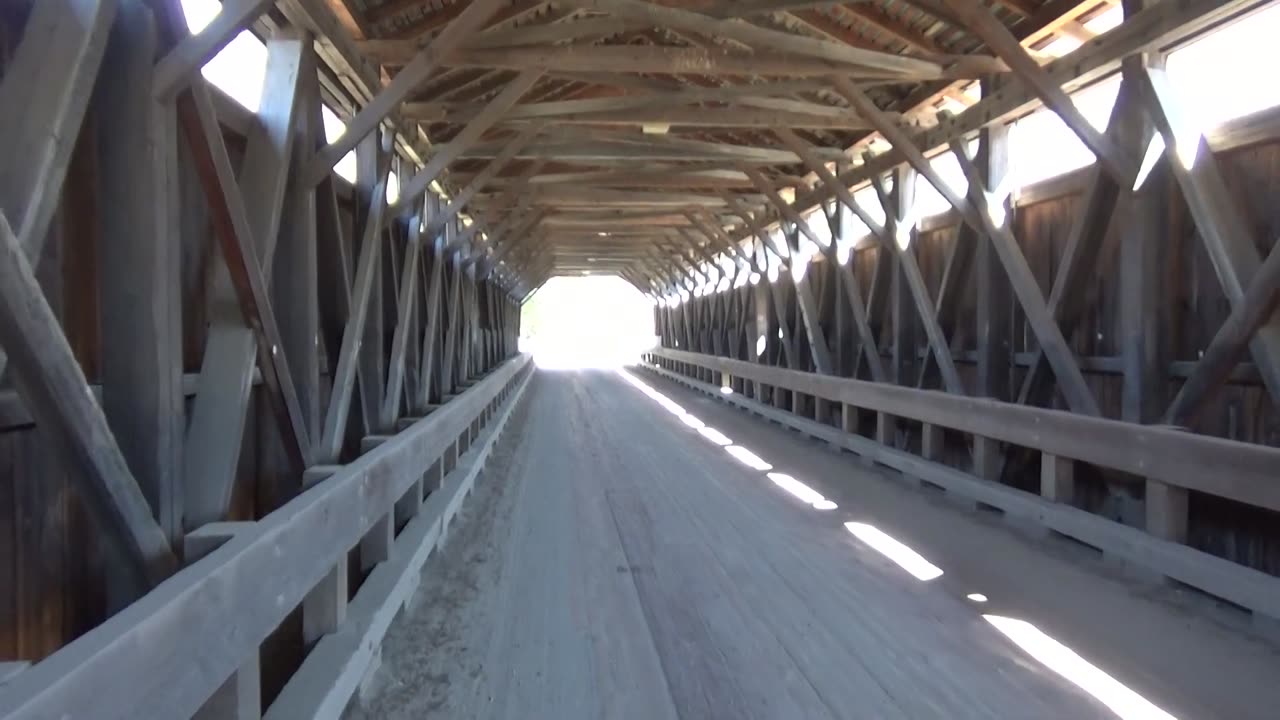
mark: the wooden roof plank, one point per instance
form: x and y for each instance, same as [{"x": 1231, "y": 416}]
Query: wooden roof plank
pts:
[{"x": 423, "y": 64}]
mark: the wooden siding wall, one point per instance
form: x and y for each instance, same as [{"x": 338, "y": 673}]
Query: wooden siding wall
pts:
[
  {"x": 1191, "y": 305},
  {"x": 1194, "y": 306},
  {"x": 52, "y": 570}
]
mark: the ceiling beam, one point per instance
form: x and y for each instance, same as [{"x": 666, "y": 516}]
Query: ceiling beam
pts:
[
  {"x": 760, "y": 38},
  {"x": 668, "y": 176},
  {"x": 695, "y": 117},
  {"x": 460, "y": 200},
  {"x": 425, "y": 62},
  {"x": 670, "y": 61},
  {"x": 1154, "y": 27},
  {"x": 997, "y": 37},
  {"x": 875, "y": 16},
  {"x": 612, "y": 152},
  {"x": 418, "y": 184},
  {"x": 755, "y": 95},
  {"x": 555, "y": 32}
]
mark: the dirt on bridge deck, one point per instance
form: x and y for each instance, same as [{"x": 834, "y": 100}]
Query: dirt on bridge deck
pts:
[{"x": 615, "y": 563}]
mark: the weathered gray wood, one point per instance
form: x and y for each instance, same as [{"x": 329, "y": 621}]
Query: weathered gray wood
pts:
[
  {"x": 899, "y": 212},
  {"x": 54, "y": 388},
  {"x": 295, "y": 284},
  {"x": 1167, "y": 511},
  {"x": 431, "y": 330},
  {"x": 329, "y": 676},
  {"x": 413, "y": 352},
  {"x": 676, "y": 60},
  {"x": 466, "y": 318},
  {"x": 333, "y": 266},
  {"x": 947, "y": 302},
  {"x": 1156, "y": 27},
  {"x": 483, "y": 177},
  {"x": 324, "y": 608},
  {"x": 240, "y": 697},
  {"x": 932, "y": 442},
  {"x": 184, "y": 60},
  {"x": 726, "y": 117},
  {"x": 552, "y": 32},
  {"x": 50, "y": 77},
  {"x": 994, "y": 376},
  {"x": 375, "y": 546},
  {"x": 996, "y": 36},
  {"x": 141, "y": 360},
  {"x": 514, "y": 232},
  {"x": 775, "y": 290},
  {"x": 1070, "y": 379},
  {"x": 1223, "y": 225},
  {"x": 1083, "y": 249},
  {"x": 1141, "y": 273},
  {"x": 143, "y": 662},
  {"x": 400, "y": 339},
  {"x": 449, "y": 351},
  {"x": 558, "y": 109},
  {"x": 374, "y": 159},
  {"x": 1057, "y": 478},
  {"x": 344, "y": 375},
  {"x": 907, "y": 261},
  {"x": 877, "y": 295},
  {"x": 1214, "y": 367},
  {"x": 761, "y": 38},
  {"x": 11, "y": 669},
  {"x": 819, "y": 350},
  {"x": 767, "y": 95},
  {"x": 1244, "y": 586},
  {"x": 421, "y": 180},
  {"x": 1189, "y": 461},
  {"x": 995, "y": 353},
  {"x": 358, "y": 77},
  {"x": 411, "y": 76},
  {"x": 246, "y": 217}
]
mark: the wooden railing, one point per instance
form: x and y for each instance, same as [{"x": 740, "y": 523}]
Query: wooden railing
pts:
[
  {"x": 191, "y": 644},
  {"x": 1240, "y": 471}
]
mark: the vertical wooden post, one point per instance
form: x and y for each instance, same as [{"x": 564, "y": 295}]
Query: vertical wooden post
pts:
[
  {"x": 375, "y": 546},
  {"x": 758, "y": 332},
  {"x": 901, "y": 215},
  {"x": 450, "y": 459},
  {"x": 995, "y": 298},
  {"x": 295, "y": 288},
  {"x": 324, "y": 608},
  {"x": 240, "y": 697},
  {"x": 1167, "y": 511},
  {"x": 932, "y": 442},
  {"x": 1057, "y": 478},
  {"x": 435, "y": 476},
  {"x": 140, "y": 267},
  {"x": 369, "y": 355},
  {"x": 1143, "y": 263},
  {"x": 886, "y": 429},
  {"x": 849, "y": 418},
  {"x": 251, "y": 213}
]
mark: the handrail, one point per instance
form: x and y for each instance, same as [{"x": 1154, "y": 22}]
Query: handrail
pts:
[
  {"x": 1241, "y": 471},
  {"x": 1244, "y": 586},
  {"x": 165, "y": 654}
]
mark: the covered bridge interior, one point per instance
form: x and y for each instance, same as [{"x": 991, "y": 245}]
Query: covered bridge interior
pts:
[{"x": 985, "y": 289}]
